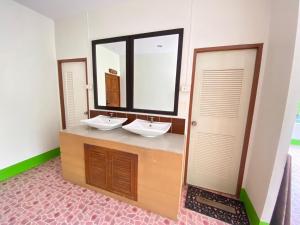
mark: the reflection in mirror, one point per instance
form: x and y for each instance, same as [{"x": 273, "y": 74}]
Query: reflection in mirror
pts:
[
  {"x": 111, "y": 74},
  {"x": 155, "y": 63}
]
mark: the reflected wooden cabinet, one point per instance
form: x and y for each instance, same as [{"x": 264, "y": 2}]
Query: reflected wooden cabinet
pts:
[{"x": 111, "y": 170}]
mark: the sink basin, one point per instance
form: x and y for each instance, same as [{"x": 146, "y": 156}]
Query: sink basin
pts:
[
  {"x": 104, "y": 122},
  {"x": 146, "y": 128}
]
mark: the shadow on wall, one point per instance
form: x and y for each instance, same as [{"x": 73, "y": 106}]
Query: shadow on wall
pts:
[{"x": 282, "y": 210}]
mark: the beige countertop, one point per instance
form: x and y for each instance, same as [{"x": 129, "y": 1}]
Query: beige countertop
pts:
[{"x": 168, "y": 142}]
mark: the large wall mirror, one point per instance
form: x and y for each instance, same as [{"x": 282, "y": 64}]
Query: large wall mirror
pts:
[
  {"x": 110, "y": 73},
  {"x": 138, "y": 73}
]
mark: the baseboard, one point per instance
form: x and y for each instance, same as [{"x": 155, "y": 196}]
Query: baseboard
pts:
[
  {"x": 28, "y": 164},
  {"x": 295, "y": 142},
  {"x": 252, "y": 215}
]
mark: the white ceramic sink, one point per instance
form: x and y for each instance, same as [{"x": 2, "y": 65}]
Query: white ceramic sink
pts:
[
  {"x": 146, "y": 128},
  {"x": 104, "y": 122}
]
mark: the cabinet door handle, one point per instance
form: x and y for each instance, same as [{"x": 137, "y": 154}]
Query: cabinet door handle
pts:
[{"x": 194, "y": 123}]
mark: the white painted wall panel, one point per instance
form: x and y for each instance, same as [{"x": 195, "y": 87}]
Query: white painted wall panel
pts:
[
  {"x": 277, "y": 109},
  {"x": 29, "y": 113}
]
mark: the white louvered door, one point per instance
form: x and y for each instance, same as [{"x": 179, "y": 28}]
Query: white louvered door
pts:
[
  {"x": 74, "y": 88},
  {"x": 222, "y": 88}
]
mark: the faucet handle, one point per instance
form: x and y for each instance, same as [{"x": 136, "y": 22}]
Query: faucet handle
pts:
[{"x": 151, "y": 119}]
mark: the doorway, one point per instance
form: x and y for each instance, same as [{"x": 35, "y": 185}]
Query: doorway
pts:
[
  {"x": 223, "y": 93},
  {"x": 72, "y": 76},
  {"x": 112, "y": 88}
]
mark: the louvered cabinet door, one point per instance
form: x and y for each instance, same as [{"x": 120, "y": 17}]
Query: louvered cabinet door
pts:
[
  {"x": 97, "y": 166},
  {"x": 124, "y": 174},
  {"x": 111, "y": 170}
]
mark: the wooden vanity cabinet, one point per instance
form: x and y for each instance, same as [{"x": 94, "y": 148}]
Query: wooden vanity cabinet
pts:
[
  {"x": 111, "y": 170},
  {"x": 147, "y": 177}
]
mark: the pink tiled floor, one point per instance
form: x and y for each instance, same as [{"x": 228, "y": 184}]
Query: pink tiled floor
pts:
[{"x": 41, "y": 196}]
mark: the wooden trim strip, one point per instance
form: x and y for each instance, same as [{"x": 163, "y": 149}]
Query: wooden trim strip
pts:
[
  {"x": 72, "y": 60},
  {"x": 61, "y": 95}
]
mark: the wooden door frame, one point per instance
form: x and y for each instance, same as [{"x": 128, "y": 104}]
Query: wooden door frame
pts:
[
  {"x": 61, "y": 89},
  {"x": 259, "y": 48}
]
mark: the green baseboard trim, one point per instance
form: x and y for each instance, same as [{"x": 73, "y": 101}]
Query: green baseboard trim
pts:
[
  {"x": 252, "y": 215},
  {"x": 295, "y": 142},
  {"x": 28, "y": 164},
  {"x": 263, "y": 223}
]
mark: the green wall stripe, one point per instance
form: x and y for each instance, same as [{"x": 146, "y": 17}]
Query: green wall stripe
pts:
[
  {"x": 295, "y": 142},
  {"x": 28, "y": 164},
  {"x": 252, "y": 215}
]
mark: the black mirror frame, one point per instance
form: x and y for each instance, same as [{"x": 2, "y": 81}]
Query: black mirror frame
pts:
[
  {"x": 95, "y": 82},
  {"x": 130, "y": 73}
]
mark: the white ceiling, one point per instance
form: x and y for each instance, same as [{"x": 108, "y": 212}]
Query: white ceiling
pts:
[{"x": 57, "y": 9}]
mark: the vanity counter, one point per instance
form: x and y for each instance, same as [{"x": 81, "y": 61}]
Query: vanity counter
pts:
[
  {"x": 168, "y": 142},
  {"x": 146, "y": 172}
]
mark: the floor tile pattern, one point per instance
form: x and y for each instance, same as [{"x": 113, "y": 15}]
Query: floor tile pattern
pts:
[{"x": 41, "y": 196}]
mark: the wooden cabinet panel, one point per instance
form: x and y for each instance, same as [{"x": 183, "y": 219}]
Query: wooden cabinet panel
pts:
[
  {"x": 124, "y": 174},
  {"x": 112, "y": 170},
  {"x": 97, "y": 166}
]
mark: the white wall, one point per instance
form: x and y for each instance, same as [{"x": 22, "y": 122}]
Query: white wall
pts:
[
  {"x": 29, "y": 115},
  {"x": 232, "y": 22},
  {"x": 277, "y": 109},
  {"x": 296, "y": 131},
  {"x": 71, "y": 37}
]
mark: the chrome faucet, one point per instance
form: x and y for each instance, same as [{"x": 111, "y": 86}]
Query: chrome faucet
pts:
[
  {"x": 151, "y": 119},
  {"x": 111, "y": 115}
]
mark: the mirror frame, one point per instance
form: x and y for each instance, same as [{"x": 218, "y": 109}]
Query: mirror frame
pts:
[
  {"x": 95, "y": 82},
  {"x": 129, "y": 39}
]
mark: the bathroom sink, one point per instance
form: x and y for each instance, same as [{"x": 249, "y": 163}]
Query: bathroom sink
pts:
[
  {"x": 104, "y": 122},
  {"x": 147, "y": 128}
]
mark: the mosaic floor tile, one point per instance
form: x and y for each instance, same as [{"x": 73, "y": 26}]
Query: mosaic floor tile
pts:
[{"x": 41, "y": 196}]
